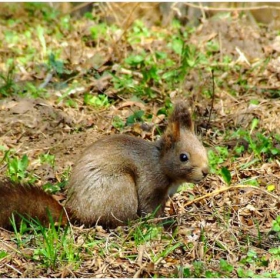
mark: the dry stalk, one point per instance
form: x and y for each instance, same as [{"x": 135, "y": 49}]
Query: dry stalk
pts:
[
  {"x": 206, "y": 8},
  {"x": 78, "y": 7},
  {"x": 228, "y": 189},
  {"x": 10, "y": 247},
  {"x": 13, "y": 268},
  {"x": 127, "y": 22},
  {"x": 139, "y": 261}
]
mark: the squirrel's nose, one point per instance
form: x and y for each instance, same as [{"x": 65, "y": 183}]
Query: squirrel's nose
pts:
[{"x": 205, "y": 171}]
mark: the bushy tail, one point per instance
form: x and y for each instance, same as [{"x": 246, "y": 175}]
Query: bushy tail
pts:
[{"x": 28, "y": 201}]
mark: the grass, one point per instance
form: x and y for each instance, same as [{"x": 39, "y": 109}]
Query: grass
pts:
[
  {"x": 53, "y": 247},
  {"x": 84, "y": 66}
]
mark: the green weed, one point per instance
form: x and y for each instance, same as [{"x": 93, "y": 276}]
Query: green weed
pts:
[
  {"x": 48, "y": 187},
  {"x": 125, "y": 82},
  {"x": 41, "y": 36},
  {"x": 53, "y": 188},
  {"x": 250, "y": 181},
  {"x": 96, "y": 245},
  {"x": 276, "y": 225},
  {"x": 65, "y": 23},
  {"x": 98, "y": 31},
  {"x": 262, "y": 147},
  {"x": 3, "y": 254},
  {"x": 217, "y": 156},
  {"x": 275, "y": 252},
  {"x": 253, "y": 260},
  {"x": 17, "y": 169},
  {"x": 138, "y": 32},
  {"x": 188, "y": 60},
  {"x": 276, "y": 229},
  {"x": 34, "y": 91},
  {"x": 20, "y": 237},
  {"x": 48, "y": 158},
  {"x": 137, "y": 116},
  {"x": 212, "y": 47},
  {"x": 158, "y": 67},
  {"x": 11, "y": 37},
  {"x": 70, "y": 103},
  {"x": 99, "y": 101},
  {"x": 137, "y": 60},
  {"x": 48, "y": 12},
  {"x": 198, "y": 270},
  {"x": 56, "y": 65},
  {"x": 146, "y": 232},
  {"x": 8, "y": 86},
  {"x": 226, "y": 175},
  {"x": 118, "y": 123},
  {"x": 53, "y": 245},
  {"x": 171, "y": 247}
]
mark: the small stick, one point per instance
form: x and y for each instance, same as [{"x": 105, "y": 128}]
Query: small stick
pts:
[
  {"x": 206, "y": 8},
  {"x": 212, "y": 99},
  {"x": 227, "y": 189},
  {"x": 10, "y": 266}
]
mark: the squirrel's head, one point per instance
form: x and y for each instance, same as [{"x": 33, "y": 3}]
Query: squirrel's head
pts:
[{"x": 184, "y": 158}]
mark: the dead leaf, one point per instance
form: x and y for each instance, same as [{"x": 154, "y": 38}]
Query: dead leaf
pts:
[{"x": 22, "y": 106}]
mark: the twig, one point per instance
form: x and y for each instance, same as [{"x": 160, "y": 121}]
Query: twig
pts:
[
  {"x": 112, "y": 12},
  {"x": 10, "y": 266},
  {"x": 138, "y": 273},
  {"x": 10, "y": 247},
  {"x": 212, "y": 99},
  {"x": 140, "y": 254},
  {"x": 125, "y": 23},
  {"x": 202, "y": 11},
  {"x": 47, "y": 79},
  {"x": 227, "y": 189},
  {"x": 69, "y": 223},
  {"x": 78, "y": 7},
  {"x": 139, "y": 261},
  {"x": 206, "y": 8}
]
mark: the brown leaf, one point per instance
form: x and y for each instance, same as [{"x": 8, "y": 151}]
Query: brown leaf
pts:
[{"x": 22, "y": 106}]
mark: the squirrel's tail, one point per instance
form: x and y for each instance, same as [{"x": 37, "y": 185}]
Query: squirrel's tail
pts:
[{"x": 28, "y": 201}]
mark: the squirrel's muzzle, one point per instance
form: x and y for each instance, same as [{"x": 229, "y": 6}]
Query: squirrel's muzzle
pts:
[{"x": 205, "y": 171}]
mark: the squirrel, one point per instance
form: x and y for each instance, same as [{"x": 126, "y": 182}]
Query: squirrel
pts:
[{"x": 117, "y": 179}]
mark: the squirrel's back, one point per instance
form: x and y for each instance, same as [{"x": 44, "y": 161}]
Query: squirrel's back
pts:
[{"x": 112, "y": 181}]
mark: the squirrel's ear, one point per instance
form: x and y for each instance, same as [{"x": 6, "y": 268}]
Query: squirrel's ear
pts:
[
  {"x": 171, "y": 135},
  {"x": 179, "y": 119},
  {"x": 181, "y": 116}
]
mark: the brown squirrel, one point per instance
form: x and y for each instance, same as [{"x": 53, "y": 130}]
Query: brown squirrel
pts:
[{"x": 117, "y": 178}]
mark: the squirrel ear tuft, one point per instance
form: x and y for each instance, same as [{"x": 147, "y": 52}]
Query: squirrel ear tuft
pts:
[
  {"x": 179, "y": 119},
  {"x": 171, "y": 135},
  {"x": 181, "y": 116}
]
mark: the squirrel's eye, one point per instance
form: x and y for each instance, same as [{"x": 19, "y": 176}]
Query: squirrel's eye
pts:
[{"x": 184, "y": 157}]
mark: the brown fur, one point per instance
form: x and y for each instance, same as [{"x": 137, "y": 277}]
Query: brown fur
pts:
[
  {"x": 120, "y": 177},
  {"x": 27, "y": 201}
]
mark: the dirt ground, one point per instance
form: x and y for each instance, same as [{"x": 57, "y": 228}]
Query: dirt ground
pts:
[{"x": 33, "y": 127}]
